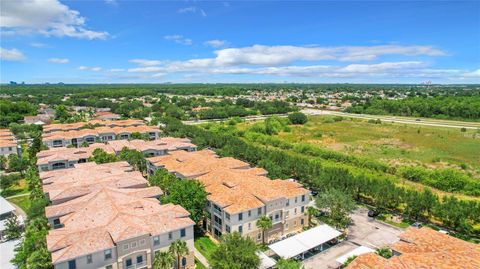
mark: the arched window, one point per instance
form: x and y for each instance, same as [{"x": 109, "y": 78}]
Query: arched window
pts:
[{"x": 184, "y": 261}]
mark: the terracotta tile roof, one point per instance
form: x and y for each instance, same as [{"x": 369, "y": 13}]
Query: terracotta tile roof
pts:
[
  {"x": 230, "y": 183},
  {"x": 98, "y": 131},
  {"x": 424, "y": 248},
  {"x": 7, "y": 139},
  {"x": 88, "y": 177},
  {"x": 114, "y": 146},
  {"x": 58, "y": 127},
  {"x": 69, "y": 154},
  {"x": 100, "y": 225},
  {"x": 101, "y": 115}
]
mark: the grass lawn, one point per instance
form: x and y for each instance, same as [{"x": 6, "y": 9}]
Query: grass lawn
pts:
[
  {"x": 394, "y": 143},
  {"x": 20, "y": 188},
  {"x": 199, "y": 265},
  {"x": 22, "y": 201},
  {"x": 205, "y": 245}
]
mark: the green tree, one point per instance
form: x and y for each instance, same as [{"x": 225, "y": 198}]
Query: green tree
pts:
[
  {"x": 178, "y": 249},
  {"x": 163, "y": 179},
  {"x": 311, "y": 211},
  {"x": 163, "y": 260},
  {"x": 100, "y": 156},
  {"x": 264, "y": 223},
  {"x": 349, "y": 260},
  {"x": 235, "y": 252},
  {"x": 288, "y": 264},
  {"x": 137, "y": 135},
  {"x": 12, "y": 228},
  {"x": 384, "y": 252},
  {"x": 134, "y": 157},
  {"x": 17, "y": 164},
  {"x": 338, "y": 205},
  {"x": 191, "y": 195},
  {"x": 297, "y": 118},
  {"x": 3, "y": 162}
]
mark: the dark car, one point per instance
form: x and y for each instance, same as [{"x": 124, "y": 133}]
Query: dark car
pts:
[
  {"x": 417, "y": 225},
  {"x": 372, "y": 213}
]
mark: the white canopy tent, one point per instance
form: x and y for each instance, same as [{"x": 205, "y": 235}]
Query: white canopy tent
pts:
[
  {"x": 265, "y": 261},
  {"x": 356, "y": 252},
  {"x": 304, "y": 241}
]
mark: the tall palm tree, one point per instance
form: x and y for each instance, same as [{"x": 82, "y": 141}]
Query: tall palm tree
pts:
[
  {"x": 163, "y": 260},
  {"x": 264, "y": 223},
  {"x": 178, "y": 248}
]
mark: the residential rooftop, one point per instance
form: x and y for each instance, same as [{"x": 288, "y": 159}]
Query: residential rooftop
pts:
[
  {"x": 69, "y": 134},
  {"x": 230, "y": 183},
  {"x": 424, "y": 248},
  {"x": 78, "y": 125}
]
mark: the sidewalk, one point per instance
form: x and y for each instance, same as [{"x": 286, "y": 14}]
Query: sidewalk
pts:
[{"x": 201, "y": 258}]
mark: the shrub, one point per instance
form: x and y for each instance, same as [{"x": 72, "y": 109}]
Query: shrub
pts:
[{"x": 297, "y": 118}]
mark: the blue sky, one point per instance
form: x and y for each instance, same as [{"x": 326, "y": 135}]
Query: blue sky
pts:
[{"x": 266, "y": 41}]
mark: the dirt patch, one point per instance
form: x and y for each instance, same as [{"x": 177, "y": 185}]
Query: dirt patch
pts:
[{"x": 390, "y": 142}]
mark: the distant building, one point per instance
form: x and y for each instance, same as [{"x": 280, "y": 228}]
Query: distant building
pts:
[
  {"x": 107, "y": 116},
  {"x": 8, "y": 144}
]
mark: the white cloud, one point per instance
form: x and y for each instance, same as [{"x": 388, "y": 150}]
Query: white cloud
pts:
[
  {"x": 179, "y": 39},
  {"x": 116, "y": 70},
  {"x": 111, "y": 2},
  {"x": 11, "y": 55},
  {"x": 145, "y": 69},
  {"x": 59, "y": 60},
  {"x": 38, "y": 45},
  {"x": 215, "y": 43},
  {"x": 192, "y": 9},
  {"x": 145, "y": 62},
  {"x": 95, "y": 68},
  {"x": 473, "y": 74},
  {"x": 46, "y": 17}
]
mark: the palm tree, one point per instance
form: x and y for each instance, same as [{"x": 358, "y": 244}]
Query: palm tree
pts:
[
  {"x": 264, "y": 223},
  {"x": 178, "y": 248},
  {"x": 311, "y": 211},
  {"x": 163, "y": 260}
]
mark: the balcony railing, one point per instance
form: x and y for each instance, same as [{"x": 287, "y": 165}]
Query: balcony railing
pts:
[{"x": 137, "y": 265}]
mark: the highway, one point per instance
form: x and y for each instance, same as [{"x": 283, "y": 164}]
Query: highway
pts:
[{"x": 383, "y": 118}]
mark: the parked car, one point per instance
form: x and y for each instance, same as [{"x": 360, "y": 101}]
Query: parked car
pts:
[
  {"x": 417, "y": 225},
  {"x": 314, "y": 193},
  {"x": 372, "y": 213}
]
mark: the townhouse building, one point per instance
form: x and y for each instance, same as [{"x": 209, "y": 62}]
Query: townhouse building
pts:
[
  {"x": 63, "y": 157},
  {"x": 76, "y": 138},
  {"x": 106, "y": 216},
  {"x": 239, "y": 195},
  {"x": 8, "y": 144}
]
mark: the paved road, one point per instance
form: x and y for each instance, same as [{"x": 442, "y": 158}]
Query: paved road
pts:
[{"x": 405, "y": 120}]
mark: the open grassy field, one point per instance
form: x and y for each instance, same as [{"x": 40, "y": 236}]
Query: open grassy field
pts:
[
  {"x": 392, "y": 143},
  {"x": 22, "y": 201}
]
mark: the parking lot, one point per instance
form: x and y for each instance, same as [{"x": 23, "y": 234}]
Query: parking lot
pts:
[{"x": 364, "y": 231}]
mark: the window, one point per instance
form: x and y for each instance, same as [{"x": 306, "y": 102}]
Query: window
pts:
[
  {"x": 295, "y": 211},
  {"x": 240, "y": 229},
  {"x": 108, "y": 254},
  {"x": 182, "y": 233},
  {"x": 108, "y": 267},
  {"x": 133, "y": 244},
  {"x": 139, "y": 259},
  {"x": 302, "y": 209},
  {"x": 227, "y": 216},
  {"x": 296, "y": 200},
  {"x": 286, "y": 226},
  {"x": 56, "y": 223},
  {"x": 72, "y": 264},
  {"x": 89, "y": 258},
  {"x": 259, "y": 211},
  {"x": 170, "y": 236},
  {"x": 249, "y": 213},
  {"x": 126, "y": 246},
  {"x": 259, "y": 236},
  {"x": 303, "y": 198},
  {"x": 184, "y": 261},
  {"x": 142, "y": 242},
  {"x": 301, "y": 221},
  {"x": 288, "y": 202},
  {"x": 240, "y": 216},
  {"x": 249, "y": 226},
  {"x": 227, "y": 228},
  {"x": 128, "y": 262},
  {"x": 156, "y": 240}
]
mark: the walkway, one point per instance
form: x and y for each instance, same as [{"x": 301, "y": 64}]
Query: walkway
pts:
[{"x": 201, "y": 258}]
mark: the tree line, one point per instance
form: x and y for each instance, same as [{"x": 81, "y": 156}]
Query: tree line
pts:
[{"x": 444, "y": 107}]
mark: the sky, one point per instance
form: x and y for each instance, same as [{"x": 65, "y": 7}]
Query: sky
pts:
[{"x": 116, "y": 41}]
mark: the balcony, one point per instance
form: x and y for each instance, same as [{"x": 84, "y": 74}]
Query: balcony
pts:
[
  {"x": 217, "y": 211},
  {"x": 137, "y": 265}
]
